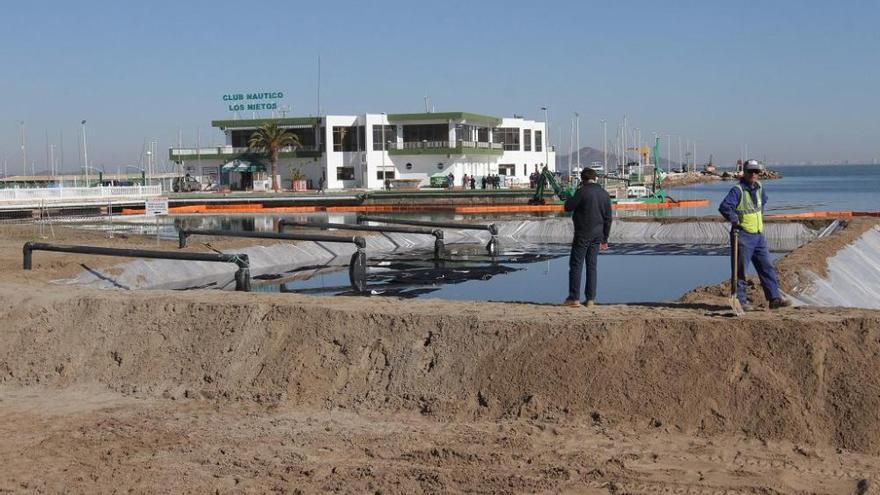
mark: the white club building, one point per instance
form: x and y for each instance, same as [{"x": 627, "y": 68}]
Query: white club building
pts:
[{"x": 361, "y": 151}]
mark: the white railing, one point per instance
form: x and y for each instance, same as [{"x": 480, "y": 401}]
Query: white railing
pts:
[
  {"x": 55, "y": 194},
  {"x": 409, "y": 145},
  {"x": 231, "y": 150}
]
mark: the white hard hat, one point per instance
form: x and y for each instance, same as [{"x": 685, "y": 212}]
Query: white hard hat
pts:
[{"x": 753, "y": 165}]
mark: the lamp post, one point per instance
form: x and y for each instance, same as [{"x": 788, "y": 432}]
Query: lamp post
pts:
[
  {"x": 384, "y": 170},
  {"x": 639, "y": 147},
  {"x": 85, "y": 151},
  {"x": 605, "y": 145},
  {"x": 547, "y": 137},
  {"x": 23, "y": 150},
  {"x": 577, "y": 139}
]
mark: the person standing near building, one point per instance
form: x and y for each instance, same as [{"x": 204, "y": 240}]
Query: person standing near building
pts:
[
  {"x": 744, "y": 207},
  {"x": 591, "y": 214}
]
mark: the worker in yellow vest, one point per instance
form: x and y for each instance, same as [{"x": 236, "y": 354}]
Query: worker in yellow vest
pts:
[{"x": 744, "y": 207}]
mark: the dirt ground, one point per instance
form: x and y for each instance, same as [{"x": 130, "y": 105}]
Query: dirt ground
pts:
[{"x": 219, "y": 392}]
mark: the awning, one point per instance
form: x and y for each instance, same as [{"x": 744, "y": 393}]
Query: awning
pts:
[{"x": 240, "y": 166}]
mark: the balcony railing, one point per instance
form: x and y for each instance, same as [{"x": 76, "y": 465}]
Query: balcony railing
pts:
[
  {"x": 234, "y": 151},
  {"x": 416, "y": 145}
]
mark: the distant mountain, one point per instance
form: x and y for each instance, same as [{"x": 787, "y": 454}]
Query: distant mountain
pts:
[{"x": 589, "y": 155}]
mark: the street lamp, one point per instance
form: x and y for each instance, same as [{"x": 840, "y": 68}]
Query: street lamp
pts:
[
  {"x": 605, "y": 145},
  {"x": 384, "y": 170},
  {"x": 577, "y": 139},
  {"x": 85, "y": 151},
  {"x": 547, "y": 137}
]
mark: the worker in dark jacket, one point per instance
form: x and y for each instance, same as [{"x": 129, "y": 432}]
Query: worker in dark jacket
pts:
[
  {"x": 591, "y": 214},
  {"x": 744, "y": 207}
]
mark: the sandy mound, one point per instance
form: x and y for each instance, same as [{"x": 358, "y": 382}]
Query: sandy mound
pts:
[{"x": 802, "y": 375}]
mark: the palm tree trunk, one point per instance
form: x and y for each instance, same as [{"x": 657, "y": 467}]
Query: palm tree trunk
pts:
[{"x": 274, "y": 172}]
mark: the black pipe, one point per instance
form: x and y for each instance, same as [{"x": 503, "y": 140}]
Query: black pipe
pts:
[
  {"x": 429, "y": 223},
  {"x": 183, "y": 234},
  {"x": 437, "y": 233},
  {"x": 491, "y": 228},
  {"x": 242, "y": 275},
  {"x": 357, "y": 269}
]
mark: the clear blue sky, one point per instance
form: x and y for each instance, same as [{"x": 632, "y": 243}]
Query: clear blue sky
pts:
[{"x": 795, "y": 80}]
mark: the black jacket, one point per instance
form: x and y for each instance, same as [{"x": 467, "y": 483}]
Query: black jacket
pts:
[{"x": 592, "y": 212}]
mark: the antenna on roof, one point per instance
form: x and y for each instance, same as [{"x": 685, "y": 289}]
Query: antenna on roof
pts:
[
  {"x": 319, "y": 88},
  {"x": 426, "y": 105}
]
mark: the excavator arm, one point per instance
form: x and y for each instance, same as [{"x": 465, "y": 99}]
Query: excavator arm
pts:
[{"x": 549, "y": 178}]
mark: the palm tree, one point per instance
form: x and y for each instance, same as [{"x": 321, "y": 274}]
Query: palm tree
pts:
[{"x": 268, "y": 139}]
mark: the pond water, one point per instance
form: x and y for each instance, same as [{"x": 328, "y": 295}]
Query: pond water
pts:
[{"x": 627, "y": 273}]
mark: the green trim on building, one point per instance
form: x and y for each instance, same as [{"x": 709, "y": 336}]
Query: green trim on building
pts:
[
  {"x": 247, "y": 123},
  {"x": 473, "y": 117},
  {"x": 233, "y": 156},
  {"x": 458, "y": 150}
]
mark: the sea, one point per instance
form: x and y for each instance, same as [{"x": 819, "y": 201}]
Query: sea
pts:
[{"x": 802, "y": 188}]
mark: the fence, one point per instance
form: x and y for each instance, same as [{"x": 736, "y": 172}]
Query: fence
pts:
[{"x": 35, "y": 196}]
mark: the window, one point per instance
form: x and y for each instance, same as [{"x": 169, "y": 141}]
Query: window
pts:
[
  {"x": 465, "y": 132},
  {"x": 344, "y": 173},
  {"x": 526, "y": 172},
  {"x": 508, "y": 136},
  {"x": 306, "y": 137},
  {"x": 425, "y": 132},
  {"x": 539, "y": 141},
  {"x": 386, "y": 175},
  {"x": 409, "y": 166},
  {"x": 507, "y": 169},
  {"x": 390, "y": 136},
  {"x": 348, "y": 138},
  {"x": 527, "y": 140},
  {"x": 483, "y": 134}
]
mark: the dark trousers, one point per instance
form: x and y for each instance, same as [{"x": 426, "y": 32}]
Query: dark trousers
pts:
[
  {"x": 753, "y": 248},
  {"x": 583, "y": 249}
]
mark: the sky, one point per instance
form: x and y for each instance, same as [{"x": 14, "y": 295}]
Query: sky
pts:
[{"x": 795, "y": 81}]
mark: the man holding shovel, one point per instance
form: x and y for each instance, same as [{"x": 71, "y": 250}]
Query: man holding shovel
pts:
[{"x": 743, "y": 207}]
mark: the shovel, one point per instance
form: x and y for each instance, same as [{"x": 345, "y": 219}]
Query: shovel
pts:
[{"x": 734, "y": 253}]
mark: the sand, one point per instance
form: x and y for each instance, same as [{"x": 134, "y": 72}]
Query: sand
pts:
[{"x": 208, "y": 391}]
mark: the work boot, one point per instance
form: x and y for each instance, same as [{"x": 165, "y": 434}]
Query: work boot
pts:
[
  {"x": 571, "y": 303},
  {"x": 779, "y": 303},
  {"x": 589, "y": 303}
]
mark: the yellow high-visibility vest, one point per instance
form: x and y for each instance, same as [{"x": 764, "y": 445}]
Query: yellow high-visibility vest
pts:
[{"x": 750, "y": 217}]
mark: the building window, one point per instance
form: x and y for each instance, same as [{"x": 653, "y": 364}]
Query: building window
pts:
[
  {"x": 348, "y": 138},
  {"x": 409, "y": 166},
  {"x": 390, "y": 137},
  {"x": 425, "y": 132},
  {"x": 344, "y": 173},
  {"x": 539, "y": 140},
  {"x": 526, "y": 172},
  {"x": 389, "y": 174},
  {"x": 508, "y": 137},
  {"x": 527, "y": 140}
]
